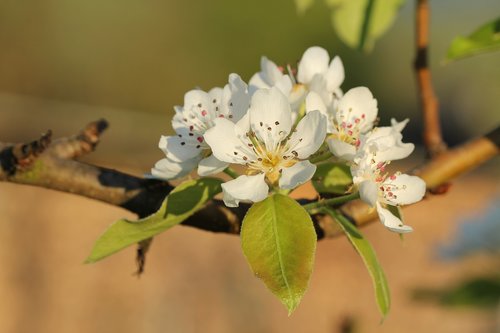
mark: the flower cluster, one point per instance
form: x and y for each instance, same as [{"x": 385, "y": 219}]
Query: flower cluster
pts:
[{"x": 272, "y": 127}]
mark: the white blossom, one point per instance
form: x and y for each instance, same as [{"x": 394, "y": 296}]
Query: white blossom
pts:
[
  {"x": 379, "y": 189},
  {"x": 376, "y": 187},
  {"x": 265, "y": 142},
  {"x": 354, "y": 115},
  {"x": 314, "y": 73},
  {"x": 270, "y": 75},
  {"x": 384, "y": 144},
  {"x": 188, "y": 149}
]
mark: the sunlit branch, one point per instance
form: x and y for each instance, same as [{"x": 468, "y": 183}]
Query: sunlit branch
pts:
[{"x": 429, "y": 104}]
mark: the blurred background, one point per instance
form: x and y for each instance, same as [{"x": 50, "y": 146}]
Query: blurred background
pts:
[{"x": 66, "y": 63}]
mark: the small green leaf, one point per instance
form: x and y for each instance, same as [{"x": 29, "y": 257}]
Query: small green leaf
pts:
[
  {"x": 181, "y": 203},
  {"x": 332, "y": 178},
  {"x": 279, "y": 242},
  {"x": 485, "y": 39},
  {"x": 359, "y": 23},
  {"x": 365, "y": 250},
  {"x": 303, "y": 5}
]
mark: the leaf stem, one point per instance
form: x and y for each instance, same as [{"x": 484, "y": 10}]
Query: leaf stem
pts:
[
  {"x": 231, "y": 173},
  {"x": 282, "y": 191},
  {"x": 313, "y": 207}
]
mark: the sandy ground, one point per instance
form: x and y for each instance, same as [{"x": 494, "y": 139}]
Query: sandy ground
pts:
[{"x": 199, "y": 282}]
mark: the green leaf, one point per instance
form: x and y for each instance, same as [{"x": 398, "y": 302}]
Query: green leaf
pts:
[
  {"x": 365, "y": 250},
  {"x": 332, "y": 178},
  {"x": 279, "y": 242},
  {"x": 181, "y": 203},
  {"x": 303, "y": 5},
  {"x": 359, "y": 23},
  {"x": 485, "y": 39}
]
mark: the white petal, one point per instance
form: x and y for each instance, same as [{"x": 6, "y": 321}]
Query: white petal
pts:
[
  {"x": 244, "y": 123},
  {"x": 284, "y": 84},
  {"x": 245, "y": 188},
  {"x": 385, "y": 143},
  {"x": 236, "y": 98},
  {"x": 178, "y": 122},
  {"x": 368, "y": 192},
  {"x": 210, "y": 165},
  {"x": 335, "y": 74},
  {"x": 227, "y": 142},
  {"x": 196, "y": 99},
  {"x": 319, "y": 85},
  {"x": 309, "y": 135},
  {"x": 271, "y": 72},
  {"x": 405, "y": 189},
  {"x": 314, "y": 61},
  {"x": 381, "y": 132},
  {"x": 269, "y": 76},
  {"x": 168, "y": 169},
  {"x": 270, "y": 116},
  {"x": 341, "y": 149},
  {"x": 178, "y": 149},
  {"x": 315, "y": 102},
  {"x": 216, "y": 94},
  {"x": 398, "y": 152},
  {"x": 297, "y": 96},
  {"x": 391, "y": 222},
  {"x": 378, "y": 135},
  {"x": 297, "y": 174},
  {"x": 358, "y": 103},
  {"x": 257, "y": 82},
  {"x": 399, "y": 126}
]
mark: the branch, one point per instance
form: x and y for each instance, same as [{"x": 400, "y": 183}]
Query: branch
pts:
[
  {"x": 21, "y": 156},
  {"x": 56, "y": 169},
  {"x": 432, "y": 136},
  {"x": 53, "y": 167},
  {"x": 82, "y": 143}
]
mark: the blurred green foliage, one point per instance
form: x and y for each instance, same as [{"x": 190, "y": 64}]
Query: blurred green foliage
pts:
[
  {"x": 484, "y": 39},
  {"x": 481, "y": 292},
  {"x": 358, "y": 23}
]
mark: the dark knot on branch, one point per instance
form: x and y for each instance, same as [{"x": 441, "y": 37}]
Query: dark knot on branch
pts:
[{"x": 22, "y": 155}]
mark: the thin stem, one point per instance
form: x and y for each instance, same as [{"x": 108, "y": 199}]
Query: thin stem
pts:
[
  {"x": 429, "y": 103},
  {"x": 231, "y": 173},
  {"x": 282, "y": 191},
  {"x": 321, "y": 156},
  {"x": 313, "y": 207}
]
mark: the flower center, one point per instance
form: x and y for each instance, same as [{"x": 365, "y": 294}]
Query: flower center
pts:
[
  {"x": 270, "y": 162},
  {"x": 197, "y": 120},
  {"x": 386, "y": 186},
  {"x": 348, "y": 129}
]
